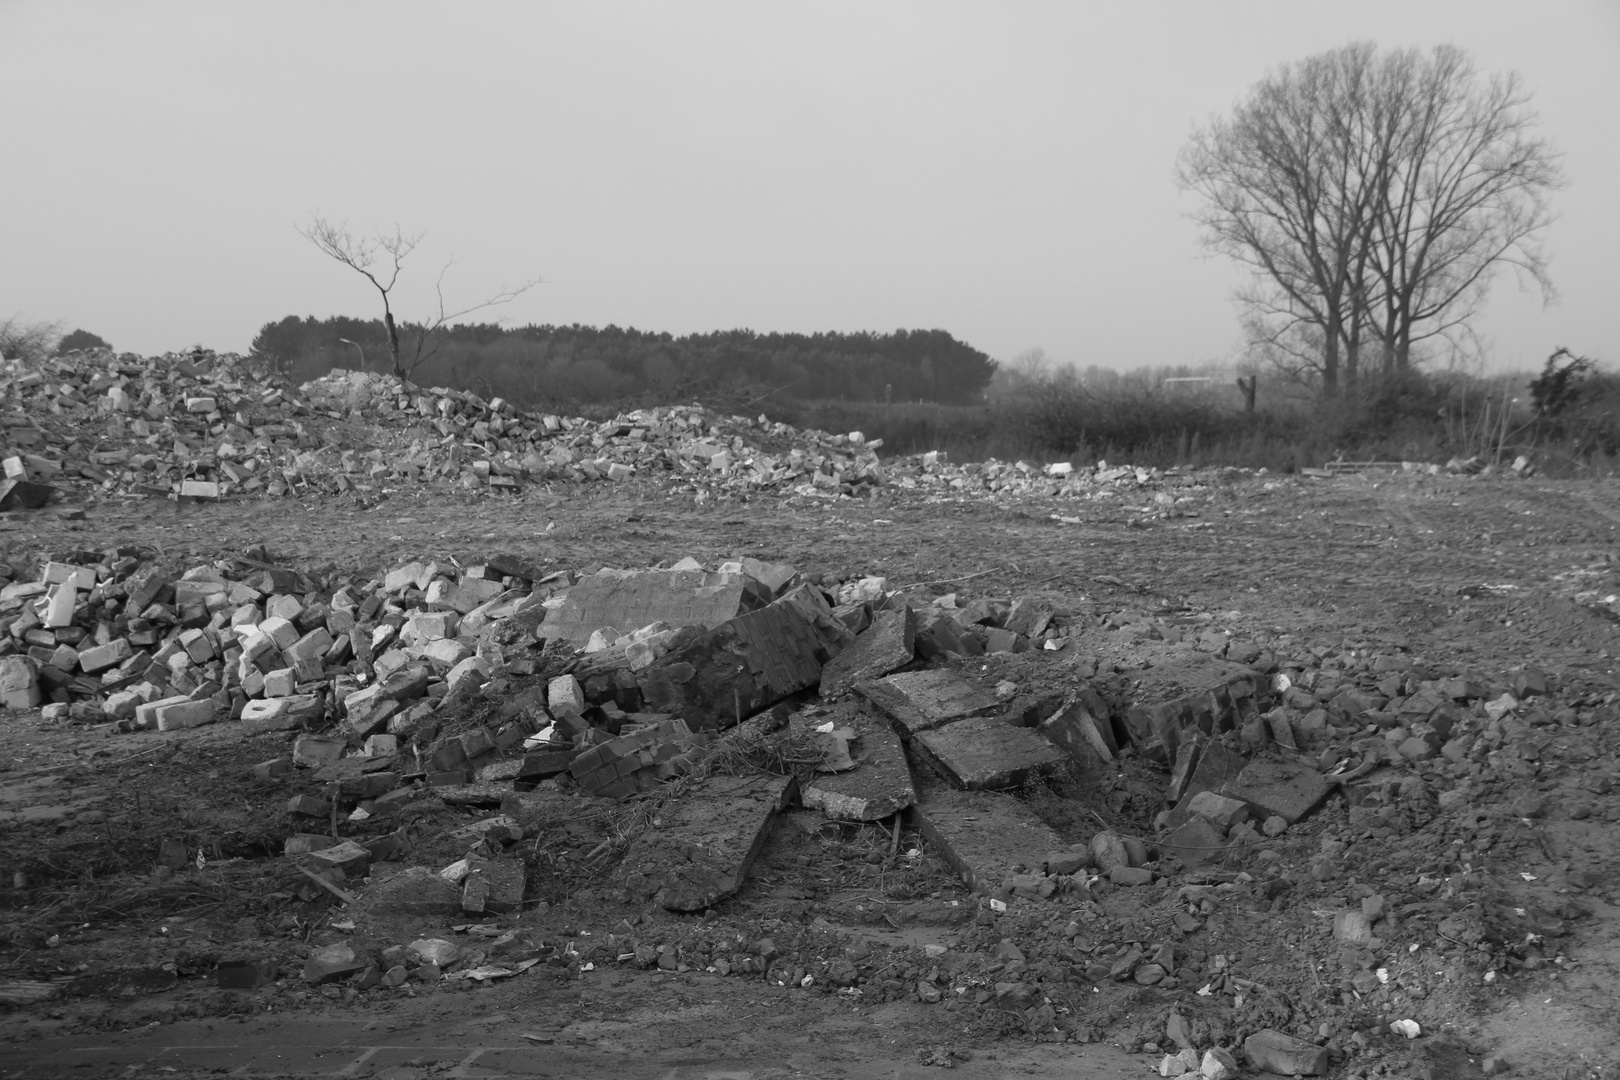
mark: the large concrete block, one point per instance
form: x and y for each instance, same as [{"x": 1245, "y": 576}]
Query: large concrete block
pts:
[
  {"x": 630, "y": 601},
  {"x": 701, "y": 852},
  {"x": 917, "y": 701},
  {"x": 987, "y": 752},
  {"x": 811, "y": 602},
  {"x": 879, "y": 785},
  {"x": 886, "y": 646},
  {"x": 736, "y": 669},
  {"x": 983, "y": 834}
]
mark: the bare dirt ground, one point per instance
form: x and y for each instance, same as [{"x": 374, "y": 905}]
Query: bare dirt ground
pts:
[{"x": 1452, "y": 574}]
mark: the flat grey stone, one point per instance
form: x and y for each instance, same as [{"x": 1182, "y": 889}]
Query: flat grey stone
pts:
[
  {"x": 1288, "y": 789},
  {"x": 886, "y": 646},
  {"x": 917, "y": 701},
  {"x": 987, "y": 752},
  {"x": 983, "y": 834}
]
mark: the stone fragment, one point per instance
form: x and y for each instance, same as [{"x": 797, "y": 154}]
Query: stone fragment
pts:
[
  {"x": 1352, "y": 927},
  {"x": 888, "y": 645},
  {"x": 178, "y": 715},
  {"x": 328, "y": 963},
  {"x": 20, "y": 494},
  {"x": 983, "y": 834},
  {"x": 678, "y": 597},
  {"x": 1276, "y": 1052},
  {"x": 1131, "y": 875},
  {"x": 492, "y": 885},
  {"x": 916, "y": 701},
  {"x": 348, "y": 856},
  {"x": 1288, "y": 789},
  {"x": 1186, "y": 691},
  {"x": 987, "y": 752},
  {"x": 1194, "y": 842},
  {"x": 1217, "y": 809},
  {"x": 19, "y": 683},
  {"x": 1218, "y": 1064},
  {"x": 312, "y": 752},
  {"x": 1108, "y": 851}
]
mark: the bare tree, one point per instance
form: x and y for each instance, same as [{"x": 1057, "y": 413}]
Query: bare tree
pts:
[
  {"x": 364, "y": 254},
  {"x": 1373, "y": 198},
  {"x": 29, "y": 342}
]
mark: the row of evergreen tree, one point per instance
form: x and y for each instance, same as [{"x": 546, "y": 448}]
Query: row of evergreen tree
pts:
[{"x": 561, "y": 365}]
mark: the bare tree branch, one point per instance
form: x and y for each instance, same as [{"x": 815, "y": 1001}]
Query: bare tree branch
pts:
[{"x": 361, "y": 254}]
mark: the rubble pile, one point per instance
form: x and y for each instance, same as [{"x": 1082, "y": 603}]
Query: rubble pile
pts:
[
  {"x": 203, "y": 425},
  {"x": 517, "y": 695}
]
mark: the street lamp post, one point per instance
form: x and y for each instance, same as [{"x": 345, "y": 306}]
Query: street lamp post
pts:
[{"x": 357, "y": 349}]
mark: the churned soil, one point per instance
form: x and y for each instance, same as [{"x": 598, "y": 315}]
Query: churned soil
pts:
[{"x": 1505, "y": 948}]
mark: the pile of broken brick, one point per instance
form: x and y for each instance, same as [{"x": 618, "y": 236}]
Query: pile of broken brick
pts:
[
  {"x": 200, "y": 425},
  {"x": 619, "y": 682}
]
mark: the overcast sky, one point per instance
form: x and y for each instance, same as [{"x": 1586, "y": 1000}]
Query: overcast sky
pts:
[{"x": 999, "y": 170}]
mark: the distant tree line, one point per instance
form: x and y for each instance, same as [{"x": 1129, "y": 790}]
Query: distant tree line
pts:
[{"x": 563, "y": 365}]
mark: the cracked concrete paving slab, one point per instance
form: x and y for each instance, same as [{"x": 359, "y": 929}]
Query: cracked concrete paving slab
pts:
[
  {"x": 878, "y": 786},
  {"x": 987, "y": 752},
  {"x": 916, "y": 701},
  {"x": 983, "y": 834},
  {"x": 707, "y": 839}
]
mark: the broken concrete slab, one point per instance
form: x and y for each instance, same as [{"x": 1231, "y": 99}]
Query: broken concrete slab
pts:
[
  {"x": 1194, "y": 842},
  {"x": 493, "y": 885},
  {"x": 329, "y": 963},
  {"x": 1216, "y": 767},
  {"x": 879, "y": 785},
  {"x": 983, "y": 834},
  {"x": 810, "y": 602},
  {"x": 1082, "y": 733},
  {"x": 886, "y": 646},
  {"x": 701, "y": 852},
  {"x": 736, "y": 669},
  {"x": 631, "y": 600},
  {"x": 1188, "y": 690},
  {"x": 916, "y": 701},
  {"x": 987, "y": 752},
  {"x": 17, "y": 494},
  {"x": 1288, "y": 789}
]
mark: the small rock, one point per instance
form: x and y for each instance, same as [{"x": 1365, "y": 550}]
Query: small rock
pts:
[
  {"x": 1275, "y": 825},
  {"x": 1529, "y": 805},
  {"x": 1108, "y": 851},
  {"x": 1279, "y": 1053},
  {"x": 1352, "y": 927},
  {"x": 1218, "y": 1064},
  {"x": 1131, "y": 875}
]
